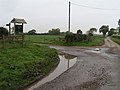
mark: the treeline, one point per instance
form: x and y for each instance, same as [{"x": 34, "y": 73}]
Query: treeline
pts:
[{"x": 50, "y": 32}]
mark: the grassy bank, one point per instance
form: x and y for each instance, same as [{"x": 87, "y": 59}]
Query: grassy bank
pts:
[
  {"x": 116, "y": 39},
  {"x": 19, "y": 66},
  {"x": 58, "y": 40}
]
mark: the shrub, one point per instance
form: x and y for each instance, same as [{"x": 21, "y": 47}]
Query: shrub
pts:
[
  {"x": 75, "y": 37},
  {"x": 118, "y": 37},
  {"x": 3, "y": 31}
]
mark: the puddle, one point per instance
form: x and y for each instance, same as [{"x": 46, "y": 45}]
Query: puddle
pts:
[{"x": 66, "y": 61}]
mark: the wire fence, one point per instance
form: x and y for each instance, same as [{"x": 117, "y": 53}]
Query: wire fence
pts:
[{"x": 5, "y": 41}]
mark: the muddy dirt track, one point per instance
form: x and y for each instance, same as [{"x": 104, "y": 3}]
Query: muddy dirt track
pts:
[{"x": 94, "y": 70}]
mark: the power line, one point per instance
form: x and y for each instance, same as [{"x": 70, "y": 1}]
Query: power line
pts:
[{"x": 95, "y": 7}]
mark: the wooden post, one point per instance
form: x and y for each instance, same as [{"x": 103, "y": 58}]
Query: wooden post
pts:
[
  {"x": 69, "y": 17},
  {"x": 23, "y": 40},
  {"x": 29, "y": 36},
  {"x": 14, "y": 29},
  {"x": 3, "y": 41},
  {"x": 22, "y": 28},
  {"x": 9, "y": 28},
  {"x": 44, "y": 38}
]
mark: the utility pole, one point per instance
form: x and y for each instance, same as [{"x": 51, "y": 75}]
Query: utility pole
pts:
[{"x": 69, "y": 17}]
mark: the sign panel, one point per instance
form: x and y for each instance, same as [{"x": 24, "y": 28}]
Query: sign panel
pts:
[{"x": 18, "y": 29}]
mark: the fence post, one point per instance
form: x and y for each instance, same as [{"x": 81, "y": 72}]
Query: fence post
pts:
[
  {"x": 23, "y": 40},
  {"x": 3, "y": 41},
  {"x": 29, "y": 37}
]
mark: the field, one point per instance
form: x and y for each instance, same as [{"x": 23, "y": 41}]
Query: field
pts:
[
  {"x": 19, "y": 66},
  {"x": 59, "y": 40},
  {"x": 45, "y": 39}
]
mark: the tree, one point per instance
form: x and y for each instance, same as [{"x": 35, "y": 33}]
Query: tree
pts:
[
  {"x": 54, "y": 31},
  {"x": 111, "y": 32},
  {"x": 91, "y": 31},
  {"x": 67, "y": 32},
  {"x": 104, "y": 29},
  {"x": 3, "y": 31},
  {"x": 32, "y": 32},
  {"x": 79, "y": 31}
]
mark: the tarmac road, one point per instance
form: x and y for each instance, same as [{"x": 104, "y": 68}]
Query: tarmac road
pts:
[{"x": 94, "y": 70}]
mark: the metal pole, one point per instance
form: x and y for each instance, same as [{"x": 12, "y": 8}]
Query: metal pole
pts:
[{"x": 69, "y": 17}]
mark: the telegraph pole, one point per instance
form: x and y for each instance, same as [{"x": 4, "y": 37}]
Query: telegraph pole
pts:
[{"x": 69, "y": 17}]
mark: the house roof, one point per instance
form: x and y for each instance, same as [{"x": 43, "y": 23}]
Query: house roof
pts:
[{"x": 16, "y": 20}]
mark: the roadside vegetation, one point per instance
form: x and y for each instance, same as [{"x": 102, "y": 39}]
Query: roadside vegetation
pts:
[
  {"x": 116, "y": 39},
  {"x": 97, "y": 40},
  {"x": 19, "y": 66}
]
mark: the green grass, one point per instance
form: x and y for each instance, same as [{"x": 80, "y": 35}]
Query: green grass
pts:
[
  {"x": 19, "y": 66},
  {"x": 115, "y": 39},
  {"x": 54, "y": 40},
  {"x": 46, "y": 39}
]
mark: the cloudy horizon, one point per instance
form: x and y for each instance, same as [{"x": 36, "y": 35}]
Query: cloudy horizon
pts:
[{"x": 48, "y": 14}]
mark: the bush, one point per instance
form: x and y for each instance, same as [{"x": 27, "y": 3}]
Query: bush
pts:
[
  {"x": 118, "y": 37},
  {"x": 75, "y": 37},
  {"x": 3, "y": 31}
]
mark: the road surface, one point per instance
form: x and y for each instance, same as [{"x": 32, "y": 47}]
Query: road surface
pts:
[{"x": 94, "y": 70}]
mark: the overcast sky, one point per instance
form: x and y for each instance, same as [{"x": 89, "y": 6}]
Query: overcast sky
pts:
[{"x": 44, "y": 15}]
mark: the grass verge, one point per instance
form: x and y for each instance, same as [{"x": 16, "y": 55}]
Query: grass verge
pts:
[
  {"x": 117, "y": 40},
  {"x": 19, "y": 66},
  {"x": 58, "y": 40}
]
